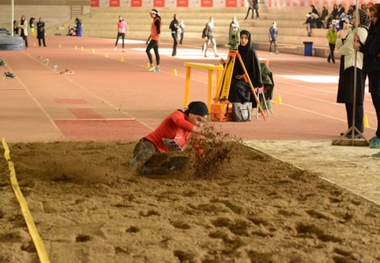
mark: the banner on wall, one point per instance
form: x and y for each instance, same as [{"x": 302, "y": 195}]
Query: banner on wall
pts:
[
  {"x": 206, "y": 3},
  {"x": 136, "y": 3},
  {"x": 231, "y": 3},
  {"x": 159, "y": 3},
  {"x": 215, "y": 3},
  {"x": 94, "y": 3},
  {"x": 183, "y": 3},
  {"x": 114, "y": 3}
]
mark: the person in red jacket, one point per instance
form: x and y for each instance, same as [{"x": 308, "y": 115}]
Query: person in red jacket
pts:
[
  {"x": 153, "y": 41},
  {"x": 172, "y": 135}
]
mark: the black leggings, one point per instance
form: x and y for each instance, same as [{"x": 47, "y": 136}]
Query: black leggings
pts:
[
  {"x": 374, "y": 85},
  {"x": 153, "y": 44},
  {"x": 122, "y": 35},
  {"x": 26, "y": 40}
]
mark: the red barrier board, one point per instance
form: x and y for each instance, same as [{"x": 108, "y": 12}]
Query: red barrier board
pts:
[
  {"x": 206, "y": 3},
  {"x": 182, "y": 3},
  {"x": 114, "y": 3},
  {"x": 136, "y": 3},
  {"x": 159, "y": 3},
  {"x": 94, "y": 3},
  {"x": 231, "y": 3}
]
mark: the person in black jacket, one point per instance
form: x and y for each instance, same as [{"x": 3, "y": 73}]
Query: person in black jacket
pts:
[
  {"x": 41, "y": 32},
  {"x": 371, "y": 66},
  {"x": 174, "y": 26},
  {"x": 240, "y": 90}
]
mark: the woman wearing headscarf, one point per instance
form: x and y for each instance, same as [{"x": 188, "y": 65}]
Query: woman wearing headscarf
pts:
[
  {"x": 32, "y": 28},
  {"x": 346, "y": 85},
  {"x": 172, "y": 135},
  {"x": 371, "y": 67},
  {"x": 240, "y": 90},
  {"x": 174, "y": 26}
]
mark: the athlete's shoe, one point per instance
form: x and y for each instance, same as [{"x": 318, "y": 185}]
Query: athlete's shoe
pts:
[
  {"x": 151, "y": 69},
  {"x": 157, "y": 70},
  {"x": 8, "y": 75}
]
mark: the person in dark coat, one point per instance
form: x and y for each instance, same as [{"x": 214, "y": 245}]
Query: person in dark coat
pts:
[
  {"x": 371, "y": 66},
  {"x": 240, "y": 90},
  {"x": 174, "y": 26},
  {"x": 78, "y": 28},
  {"x": 348, "y": 64},
  {"x": 41, "y": 32}
]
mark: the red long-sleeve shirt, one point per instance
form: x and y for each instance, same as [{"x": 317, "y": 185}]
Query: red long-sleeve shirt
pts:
[{"x": 175, "y": 126}]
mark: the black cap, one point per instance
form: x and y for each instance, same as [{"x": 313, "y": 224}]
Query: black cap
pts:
[{"x": 198, "y": 108}]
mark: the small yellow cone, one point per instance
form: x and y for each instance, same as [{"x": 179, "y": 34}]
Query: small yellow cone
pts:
[
  {"x": 278, "y": 99},
  {"x": 147, "y": 65},
  {"x": 81, "y": 48},
  {"x": 106, "y": 55},
  {"x": 121, "y": 59},
  {"x": 365, "y": 121},
  {"x": 59, "y": 46},
  {"x": 93, "y": 51},
  {"x": 174, "y": 72},
  {"x": 75, "y": 47},
  {"x": 34, "y": 44}
]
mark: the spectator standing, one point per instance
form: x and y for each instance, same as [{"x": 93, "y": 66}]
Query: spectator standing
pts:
[
  {"x": 331, "y": 36},
  {"x": 182, "y": 34},
  {"x": 250, "y": 8},
  {"x": 256, "y": 8},
  {"x": 153, "y": 41},
  {"x": 122, "y": 29},
  {"x": 31, "y": 26},
  {"x": 15, "y": 28},
  {"x": 79, "y": 27},
  {"x": 371, "y": 66},
  {"x": 23, "y": 30},
  {"x": 273, "y": 35},
  {"x": 346, "y": 85},
  {"x": 174, "y": 27},
  {"x": 41, "y": 32},
  {"x": 210, "y": 37}
]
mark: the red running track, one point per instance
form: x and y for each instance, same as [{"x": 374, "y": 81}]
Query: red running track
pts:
[{"x": 111, "y": 96}]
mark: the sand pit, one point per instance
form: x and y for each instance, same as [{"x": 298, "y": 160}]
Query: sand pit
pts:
[{"x": 90, "y": 206}]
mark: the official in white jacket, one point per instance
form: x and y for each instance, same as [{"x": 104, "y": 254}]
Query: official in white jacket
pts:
[
  {"x": 23, "y": 30},
  {"x": 346, "y": 86}
]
